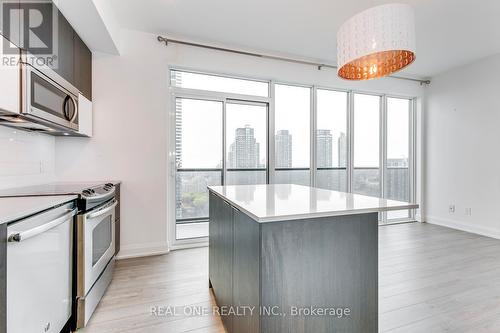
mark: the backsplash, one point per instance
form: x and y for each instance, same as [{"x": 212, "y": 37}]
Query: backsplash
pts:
[{"x": 26, "y": 158}]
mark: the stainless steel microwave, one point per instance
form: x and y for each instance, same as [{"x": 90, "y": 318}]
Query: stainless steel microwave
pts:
[{"x": 48, "y": 97}]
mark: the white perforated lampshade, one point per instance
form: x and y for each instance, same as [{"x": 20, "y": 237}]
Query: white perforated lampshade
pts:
[{"x": 376, "y": 42}]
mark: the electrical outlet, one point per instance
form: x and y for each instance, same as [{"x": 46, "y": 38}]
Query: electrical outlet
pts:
[
  {"x": 451, "y": 209},
  {"x": 468, "y": 211}
]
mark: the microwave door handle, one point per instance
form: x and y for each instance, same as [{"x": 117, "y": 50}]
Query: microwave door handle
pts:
[
  {"x": 65, "y": 108},
  {"x": 21, "y": 236},
  {"x": 75, "y": 105},
  {"x": 103, "y": 211}
]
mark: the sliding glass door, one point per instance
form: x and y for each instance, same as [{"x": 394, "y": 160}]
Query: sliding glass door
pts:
[{"x": 198, "y": 152}]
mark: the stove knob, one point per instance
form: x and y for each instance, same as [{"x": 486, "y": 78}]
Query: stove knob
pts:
[{"x": 87, "y": 193}]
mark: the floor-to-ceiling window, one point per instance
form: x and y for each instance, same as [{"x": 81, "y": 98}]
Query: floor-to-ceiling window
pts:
[
  {"x": 232, "y": 130},
  {"x": 198, "y": 148},
  {"x": 331, "y": 139},
  {"x": 397, "y": 178},
  {"x": 292, "y": 123},
  {"x": 366, "y": 150},
  {"x": 221, "y": 130}
]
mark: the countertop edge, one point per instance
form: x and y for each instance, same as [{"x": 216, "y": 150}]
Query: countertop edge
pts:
[
  {"x": 232, "y": 203},
  {"x": 24, "y": 213},
  {"x": 282, "y": 218}
]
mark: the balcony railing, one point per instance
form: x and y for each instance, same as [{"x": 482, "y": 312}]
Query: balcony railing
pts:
[{"x": 192, "y": 194}]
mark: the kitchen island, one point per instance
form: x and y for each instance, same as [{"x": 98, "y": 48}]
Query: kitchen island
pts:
[{"x": 290, "y": 258}]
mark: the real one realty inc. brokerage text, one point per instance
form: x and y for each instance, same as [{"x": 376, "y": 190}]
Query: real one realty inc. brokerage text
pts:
[{"x": 244, "y": 310}]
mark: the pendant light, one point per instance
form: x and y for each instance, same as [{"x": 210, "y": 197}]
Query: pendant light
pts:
[{"x": 376, "y": 42}]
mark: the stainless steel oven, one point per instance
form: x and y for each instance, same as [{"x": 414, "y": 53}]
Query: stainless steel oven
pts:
[
  {"x": 95, "y": 250},
  {"x": 48, "y": 97}
]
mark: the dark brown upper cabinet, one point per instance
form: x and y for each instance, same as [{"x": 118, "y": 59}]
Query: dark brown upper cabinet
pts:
[
  {"x": 74, "y": 58},
  {"x": 82, "y": 67},
  {"x": 65, "y": 50}
]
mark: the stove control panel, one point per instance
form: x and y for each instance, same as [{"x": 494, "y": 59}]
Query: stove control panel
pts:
[{"x": 98, "y": 191}]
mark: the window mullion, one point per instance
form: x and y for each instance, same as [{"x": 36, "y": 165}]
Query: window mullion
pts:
[
  {"x": 350, "y": 140},
  {"x": 412, "y": 157},
  {"x": 383, "y": 150},
  {"x": 271, "y": 149},
  {"x": 224, "y": 132},
  {"x": 313, "y": 130}
]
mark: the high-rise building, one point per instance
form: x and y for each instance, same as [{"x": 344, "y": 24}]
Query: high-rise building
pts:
[
  {"x": 324, "y": 148},
  {"x": 397, "y": 185},
  {"x": 178, "y": 132},
  {"x": 397, "y": 163},
  {"x": 244, "y": 152},
  {"x": 283, "y": 149},
  {"x": 178, "y": 152},
  {"x": 342, "y": 150}
]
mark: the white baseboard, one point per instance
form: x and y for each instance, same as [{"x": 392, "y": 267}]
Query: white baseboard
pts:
[
  {"x": 188, "y": 246},
  {"x": 142, "y": 250},
  {"x": 475, "y": 229}
]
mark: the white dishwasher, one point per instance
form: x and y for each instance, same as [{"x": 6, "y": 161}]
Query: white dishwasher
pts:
[{"x": 39, "y": 271}]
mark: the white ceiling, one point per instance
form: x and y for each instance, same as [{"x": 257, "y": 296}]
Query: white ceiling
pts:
[{"x": 450, "y": 33}]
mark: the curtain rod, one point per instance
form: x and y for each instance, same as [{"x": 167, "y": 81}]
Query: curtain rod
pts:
[{"x": 167, "y": 40}]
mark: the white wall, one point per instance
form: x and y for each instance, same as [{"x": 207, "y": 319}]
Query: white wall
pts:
[
  {"x": 25, "y": 158},
  {"x": 462, "y": 136},
  {"x": 131, "y": 129},
  {"x": 130, "y": 95}
]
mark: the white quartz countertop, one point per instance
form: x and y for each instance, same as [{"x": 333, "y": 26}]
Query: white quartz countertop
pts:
[
  {"x": 12, "y": 209},
  {"x": 280, "y": 202}
]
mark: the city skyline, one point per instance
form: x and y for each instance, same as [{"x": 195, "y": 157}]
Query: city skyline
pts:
[
  {"x": 244, "y": 150},
  {"x": 244, "y": 153}
]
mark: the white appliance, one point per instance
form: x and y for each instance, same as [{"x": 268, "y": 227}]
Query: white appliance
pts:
[{"x": 39, "y": 271}]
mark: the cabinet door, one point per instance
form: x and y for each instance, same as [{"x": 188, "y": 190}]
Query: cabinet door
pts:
[
  {"x": 65, "y": 54},
  {"x": 246, "y": 272},
  {"x": 214, "y": 240},
  {"x": 221, "y": 253},
  {"x": 83, "y": 67},
  {"x": 9, "y": 84}
]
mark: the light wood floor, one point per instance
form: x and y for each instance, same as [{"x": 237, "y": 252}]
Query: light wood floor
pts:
[{"x": 431, "y": 279}]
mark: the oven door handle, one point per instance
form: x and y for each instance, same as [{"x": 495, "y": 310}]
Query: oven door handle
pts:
[
  {"x": 21, "y": 236},
  {"x": 103, "y": 211}
]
